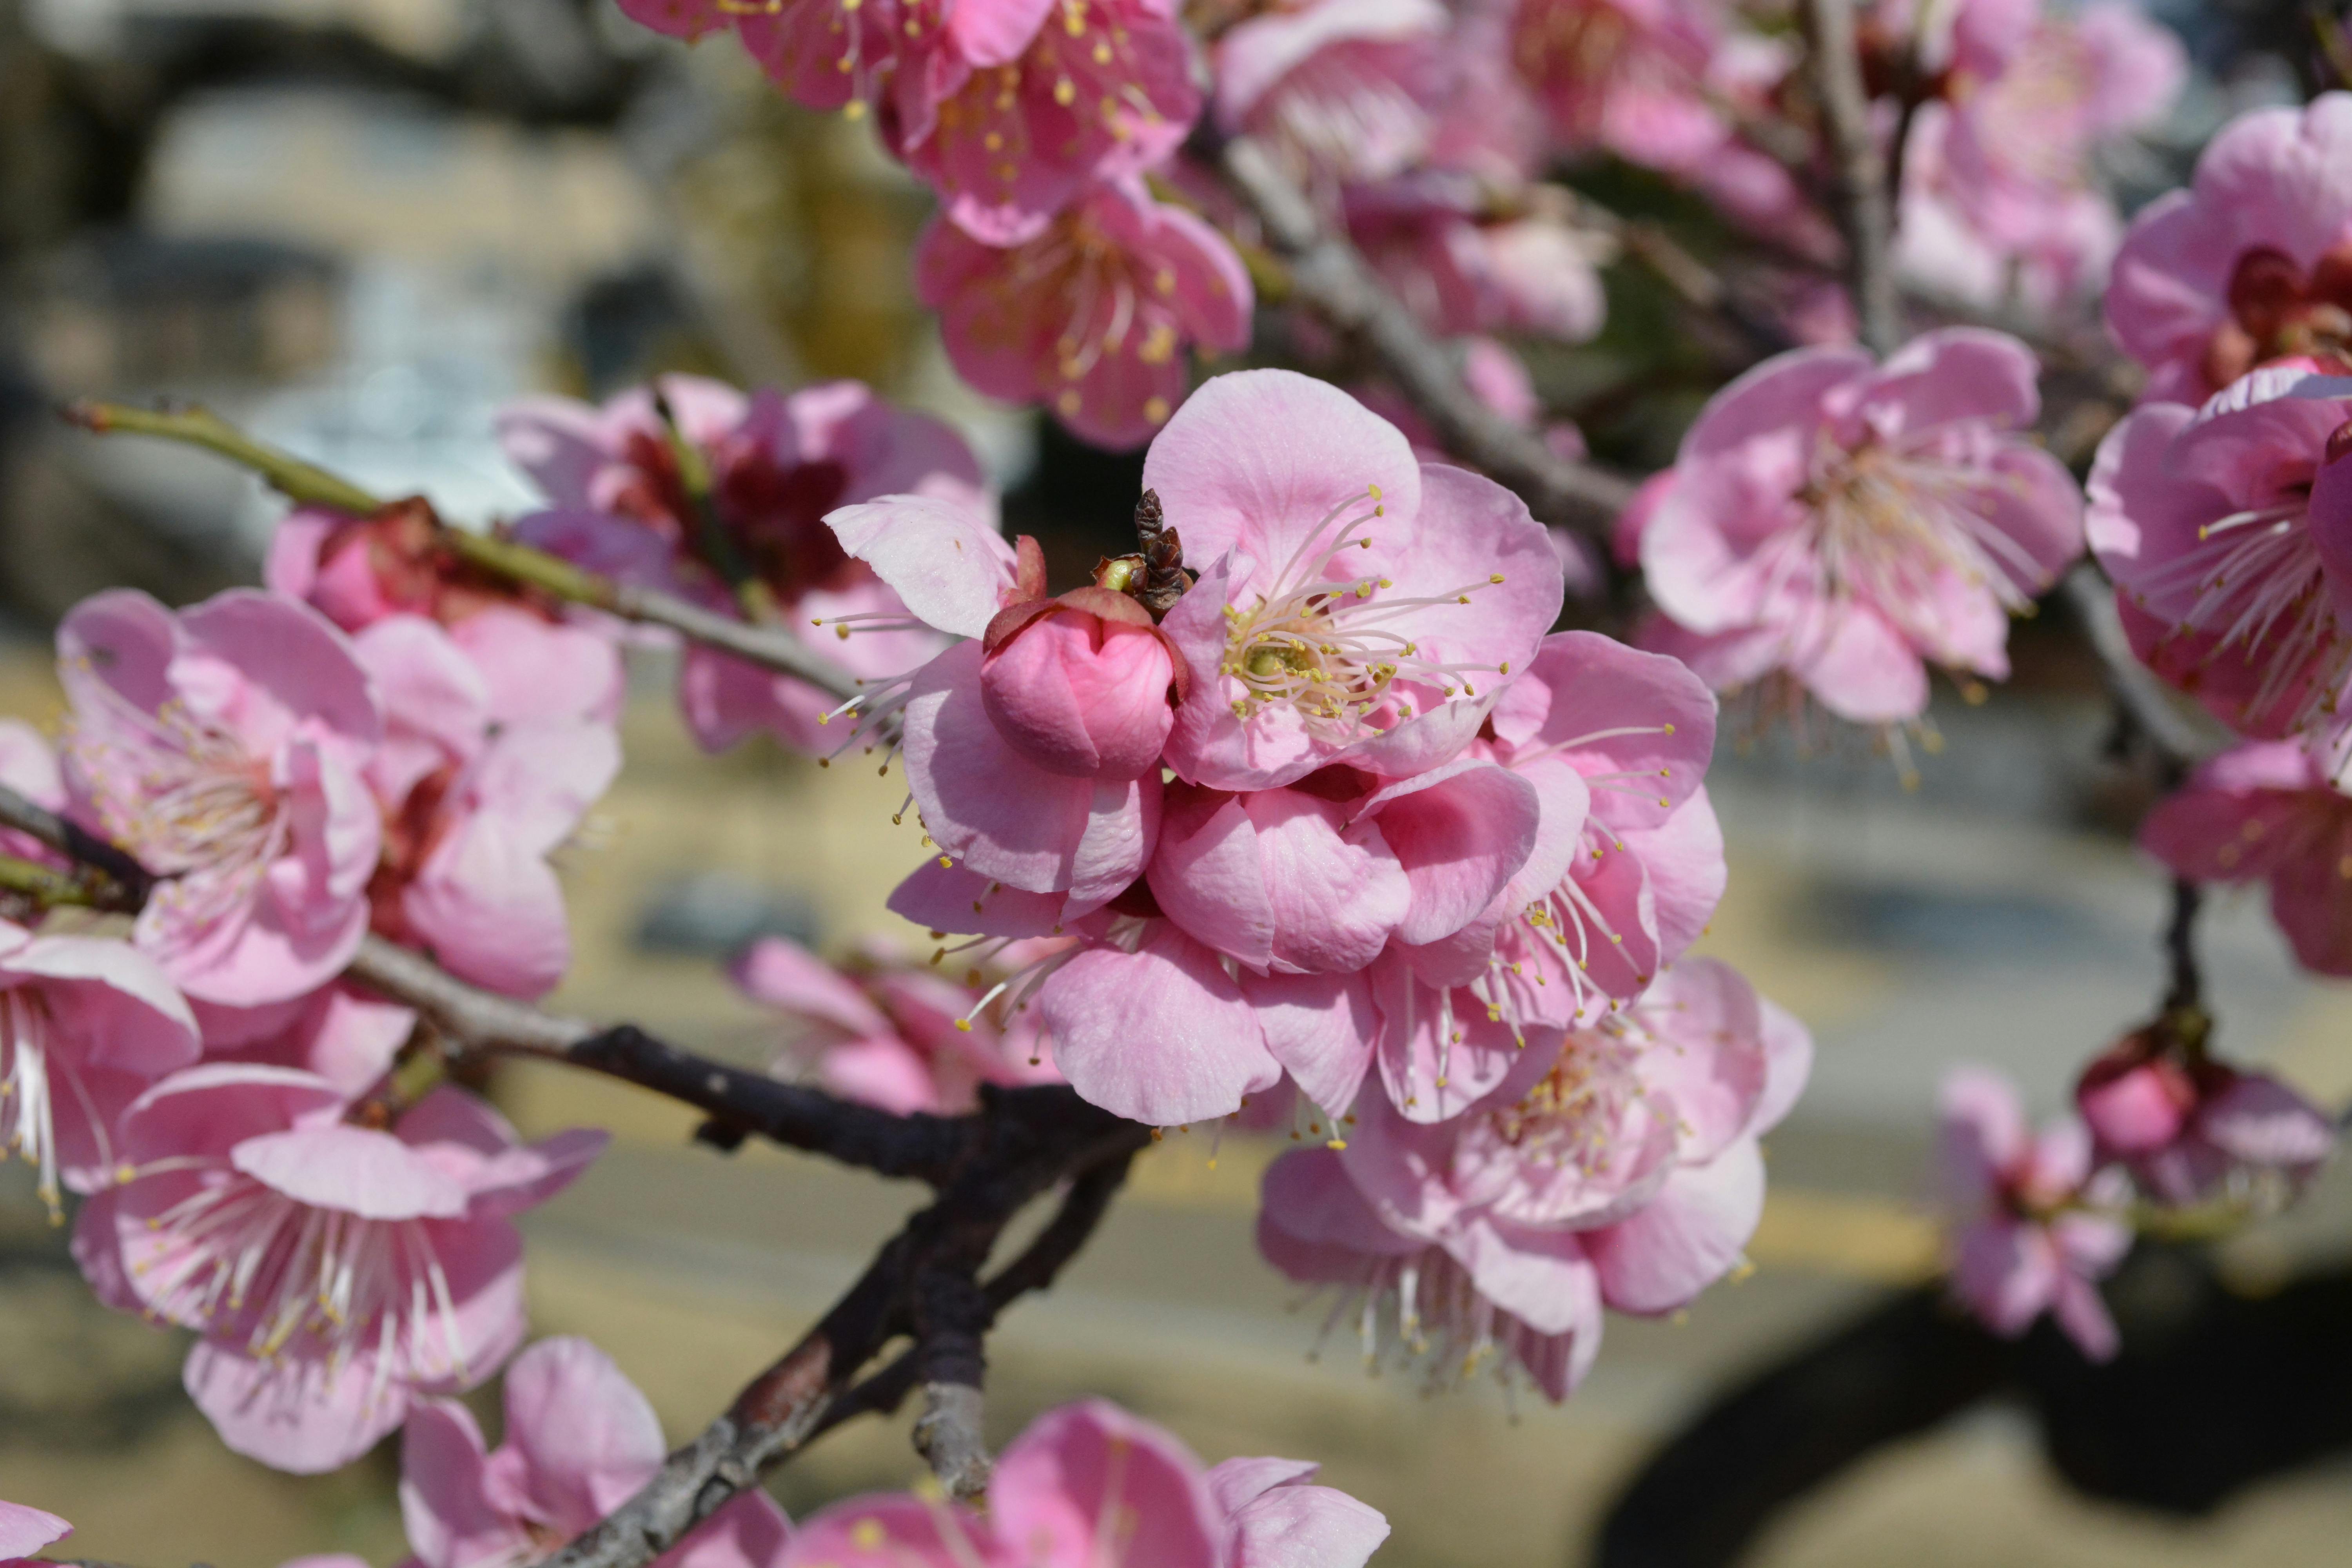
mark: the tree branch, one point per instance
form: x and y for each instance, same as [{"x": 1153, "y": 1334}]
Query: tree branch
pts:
[
  {"x": 771, "y": 646},
  {"x": 1857, "y": 176},
  {"x": 1333, "y": 279}
]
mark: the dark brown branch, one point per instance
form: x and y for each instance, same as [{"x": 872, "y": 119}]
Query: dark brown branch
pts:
[
  {"x": 121, "y": 883},
  {"x": 2186, "y": 991},
  {"x": 1857, "y": 174},
  {"x": 1329, "y": 277}
]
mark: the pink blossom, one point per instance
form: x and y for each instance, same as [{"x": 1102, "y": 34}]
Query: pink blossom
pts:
[
  {"x": 778, "y": 464},
  {"x": 2190, "y": 1128},
  {"x": 1618, "y": 1167},
  {"x": 2025, "y": 101},
  {"x": 2268, "y": 811},
  {"x": 472, "y": 808},
  {"x": 1344, "y": 87},
  {"x": 1103, "y": 89},
  {"x": 358, "y": 571},
  {"x": 2253, "y": 262},
  {"x": 1090, "y": 1484},
  {"x": 890, "y": 1032},
  {"x": 2217, "y": 524},
  {"x": 1461, "y": 273},
  {"x": 1091, "y": 314},
  {"x": 1626, "y": 75},
  {"x": 2032, "y": 1231},
  {"x": 223, "y": 746},
  {"x": 1082, "y": 685},
  {"x": 85, "y": 1024},
  {"x": 580, "y": 1441},
  {"x": 1355, "y": 606},
  {"x": 337, "y": 1032},
  {"x": 1627, "y": 870},
  {"x": 25, "y": 1531},
  {"x": 848, "y": 55},
  {"x": 1846, "y": 522},
  {"x": 333, "y": 1270}
]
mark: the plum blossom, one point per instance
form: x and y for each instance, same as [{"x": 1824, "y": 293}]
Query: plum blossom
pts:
[
  {"x": 747, "y": 534},
  {"x": 2253, "y": 262},
  {"x": 1618, "y": 1167},
  {"x": 1090, "y": 1484},
  {"x": 1345, "y": 88},
  {"x": 337, "y": 1032},
  {"x": 223, "y": 746},
  {"x": 1626, "y": 75},
  {"x": 85, "y": 1024},
  {"x": 359, "y": 570},
  {"x": 580, "y": 1441},
  {"x": 2218, "y": 525},
  {"x": 1100, "y": 90},
  {"x": 333, "y": 1270},
  {"x": 1998, "y": 170},
  {"x": 2031, "y": 1234},
  {"x": 2268, "y": 811},
  {"x": 1627, "y": 871},
  {"x": 1462, "y": 271},
  {"x": 1356, "y": 605},
  {"x": 1091, "y": 315},
  {"x": 851, "y": 55},
  {"x": 472, "y": 808},
  {"x": 890, "y": 1032},
  {"x": 1845, "y": 523},
  {"x": 2188, "y": 1127},
  {"x": 25, "y": 1531}
]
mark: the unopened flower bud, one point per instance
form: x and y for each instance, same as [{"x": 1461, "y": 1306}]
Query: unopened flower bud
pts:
[
  {"x": 2133, "y": 1101},
  {"x": 1080, "y": 684}
]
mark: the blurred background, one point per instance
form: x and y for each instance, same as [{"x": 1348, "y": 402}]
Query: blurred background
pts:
[{"x": 357, "y": 227}]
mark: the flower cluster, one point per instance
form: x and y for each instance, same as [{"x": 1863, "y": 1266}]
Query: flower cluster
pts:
[
  {"x": 1339, "y": 815},
  {"x": 1060, "y": 275}
]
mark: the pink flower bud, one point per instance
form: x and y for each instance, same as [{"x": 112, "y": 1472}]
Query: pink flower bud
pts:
[
  {"x": 2132, "y": 1103},
  {"x": 1080, "y": 684}
]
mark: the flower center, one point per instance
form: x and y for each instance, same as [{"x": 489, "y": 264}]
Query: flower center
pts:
[
  {"x": 1888, "y": 523},
  {"x": 1332, "y": 648},
  {"x": 243, "y": 1260},
  {"x": 1573, "y": 1117}
]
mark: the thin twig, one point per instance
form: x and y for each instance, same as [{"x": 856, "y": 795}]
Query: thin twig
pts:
[
  {"x": 948, "y": 1435},
  {"x": 2186, "y": 993},
  {"x": 771, "y": 646},
  {"x": 1857, "y": 176},
  {"x": 1332, "y": 279}
]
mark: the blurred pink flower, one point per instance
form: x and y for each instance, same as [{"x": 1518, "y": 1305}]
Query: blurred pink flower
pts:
[
  {"x": 1088, "y": 1484},
  {"x": 28, "y": 764},
  {"x": 849, "y": 55},
  {"x": 778, "y": 464},
  {"x": 892, "y": 1033},
  {"x": 1093, "y": 313},
  {"x": 337, "y": 1032},
  {"x": 25, "y": 1531},
  {"x": 1101, "y": 90},
  {"x": 2032, "y": 1233},
  {"x": 472, "y": 809},
  {"x": 1344, "y": 87},
  {"x": 1846, "y": 522},
  {"x": 358, "y": 571},
  {"x": 2192, "y": 1129},
  {"x": 1461, "y": 273},
  {"x": 333, "y": 1270},
  {"x": 223, "y": 746},
  {"x": 2251, "y": 263},
  {"x": 1624, "y": 75},
  {"x": 2268, "y": 811},
  {"x": 2005, "y": 150},
  {"x": 86, "y": 1023},
  {"x": 580, "y": 1441},
  {"x": 2228, "y": 529}
]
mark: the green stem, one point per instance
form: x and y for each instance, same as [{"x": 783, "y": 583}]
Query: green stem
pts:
[
  {"x": 196, "y": 426},
  {"x": 46, "y": 887}
]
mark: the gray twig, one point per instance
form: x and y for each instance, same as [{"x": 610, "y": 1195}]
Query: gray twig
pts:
[
  {"x": 1332, "y": 279},
  {"x": 1857, "y": 174}
]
